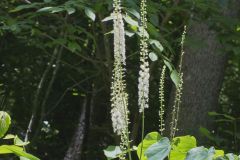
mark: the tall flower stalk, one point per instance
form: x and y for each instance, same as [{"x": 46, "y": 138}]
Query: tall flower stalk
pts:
[
  {"x": 119, "y": 96},
  {"x": 143, "y": 80},
  {"x": 162, "y": 100},
  {"x": 178, "y": 94}
]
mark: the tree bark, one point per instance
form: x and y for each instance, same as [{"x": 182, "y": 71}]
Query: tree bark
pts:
[
  {"x": 75, "y": 148},
  {"x": 203, "y": 71}
]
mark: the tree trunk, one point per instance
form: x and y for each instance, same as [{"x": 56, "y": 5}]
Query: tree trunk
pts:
[
  {"x": 75, "y": 148},
  {"x": 203, "y": 73}
]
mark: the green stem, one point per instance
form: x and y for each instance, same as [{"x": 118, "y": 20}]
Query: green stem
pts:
[{"x": 143, "y": 130}]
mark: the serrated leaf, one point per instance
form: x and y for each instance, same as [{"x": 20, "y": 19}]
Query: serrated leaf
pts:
[
  {"x": 90, "y": 13},
  {"x": 5, "y": 121},
  {"x": 159, "y": 150}
]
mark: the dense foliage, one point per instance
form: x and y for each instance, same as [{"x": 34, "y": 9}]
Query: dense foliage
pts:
[{"x": 57, "y": 56}]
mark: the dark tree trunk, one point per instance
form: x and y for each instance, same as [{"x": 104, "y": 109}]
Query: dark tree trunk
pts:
[{"x": 75, "y": 148}]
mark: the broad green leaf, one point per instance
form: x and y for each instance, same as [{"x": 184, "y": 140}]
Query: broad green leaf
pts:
[
  {"x": 180, "y": 147},
  {"x": 4, "y": 150},
  {"x": 18, "y": 151},
  {"x": 149, "y": 140},
  {"x": 159, "y": 150},
  {"x": 5, "y": 121},
  {"x": 89, "y": 12},
  {"x": 153, "y": 56},
  {"x": 112, "y": 152},
  {"x": 175, "y": 77},
  {"x": 200, "y": 153}
]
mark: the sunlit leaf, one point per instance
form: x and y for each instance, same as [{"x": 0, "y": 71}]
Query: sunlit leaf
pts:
[
  {"x": 149, "y": 140},
  {"x": 5, "y": 121},
  {"x": 90, "y": 13},
  {"x": 159, "y": 150}
]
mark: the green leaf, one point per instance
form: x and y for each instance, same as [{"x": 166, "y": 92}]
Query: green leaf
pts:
[
  {"x": 200, "y": 153},
  {"x": 157, "y": 44},
  {"x": 153, "y": 56},
  {"x": 129, "y": 34},
  {"x": 180, "y": 147},
  {"x": 206, "y": 133},
  {"x": 70, "y": 10},
  {"x": 5, "y": 121},
  {"x": 175, "y": 77},
  {"x": 218, "y": 153},
  {"x": 109, "y": 18},
  {"x": 169, "y": 65},
  {"x": 4, "y": 150},
  {"x": 23, "y": 158},
  {"x": 45, "y": 9},
  {"x": 9, "y": 136},
  {"x": 19, "y": 142},
  {"x": 159, "y": 150},
  {"x": 17, "y": 151},
  {"x": 149, "y": 139},
  {"x": 22, "y": 7},
  {"x": 89, "y": 12},
  {"x": 112, "y": 152},
  {"x": 133, "y": 12},
  {"x": 130, "y": 21},
  {"x": 74, "y": 46}
]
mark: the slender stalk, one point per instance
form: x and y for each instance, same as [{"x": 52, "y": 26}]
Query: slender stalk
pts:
[{"x": 143, "y": 130}]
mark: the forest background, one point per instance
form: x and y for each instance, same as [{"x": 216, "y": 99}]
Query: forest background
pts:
[{"x": 56, "y": 62}]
